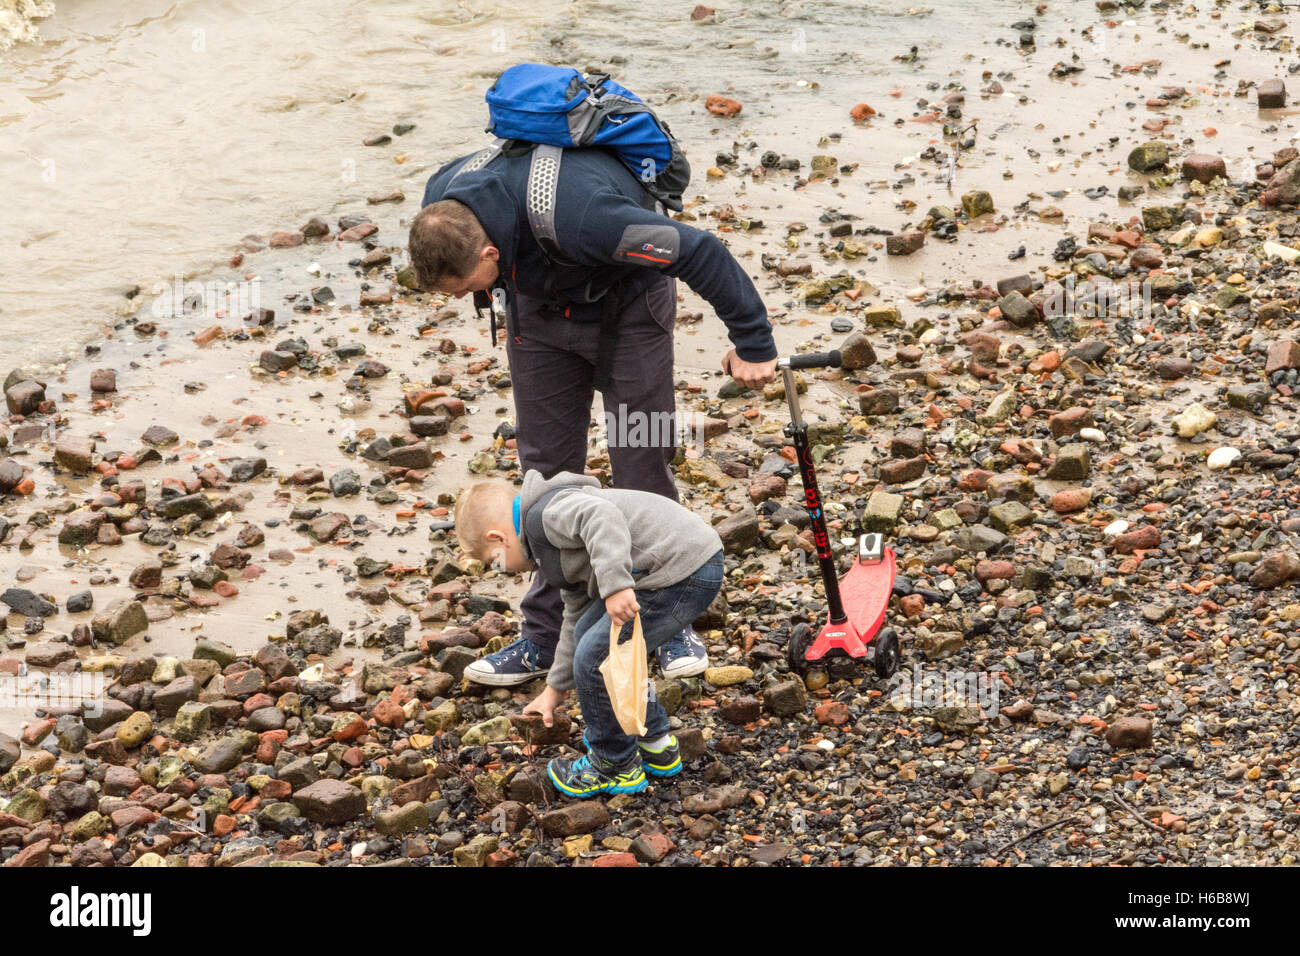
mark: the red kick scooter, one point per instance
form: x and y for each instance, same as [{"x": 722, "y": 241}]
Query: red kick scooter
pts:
[{"x": 856, "y": 605}]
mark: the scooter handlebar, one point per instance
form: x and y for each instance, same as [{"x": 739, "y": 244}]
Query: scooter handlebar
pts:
[{"x": 811, "y": 360}]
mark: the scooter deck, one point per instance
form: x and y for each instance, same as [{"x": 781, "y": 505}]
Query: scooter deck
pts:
[{"x": 865, "y": 591}]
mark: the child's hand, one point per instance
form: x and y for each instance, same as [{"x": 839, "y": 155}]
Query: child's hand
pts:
[
  {"x": 622, "y": 606},
  {"x": 545, "y": 704}
]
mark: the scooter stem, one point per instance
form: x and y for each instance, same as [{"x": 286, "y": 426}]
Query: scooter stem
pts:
[{"x": 798, "y": 432}]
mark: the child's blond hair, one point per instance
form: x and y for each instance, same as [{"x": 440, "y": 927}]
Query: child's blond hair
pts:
[{"x": 481, "y": 508}]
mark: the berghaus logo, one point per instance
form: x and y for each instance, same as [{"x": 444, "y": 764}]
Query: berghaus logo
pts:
[{"x": 77, "y": 910}]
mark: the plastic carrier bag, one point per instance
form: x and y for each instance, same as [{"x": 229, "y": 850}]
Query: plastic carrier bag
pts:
[{"x": 627, "y": 678}]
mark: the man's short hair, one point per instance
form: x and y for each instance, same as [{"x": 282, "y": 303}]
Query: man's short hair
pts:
[{"x": 446, "y": 241}]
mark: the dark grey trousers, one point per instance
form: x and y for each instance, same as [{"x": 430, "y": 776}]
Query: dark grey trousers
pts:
[{"x": 552, "y": 366}]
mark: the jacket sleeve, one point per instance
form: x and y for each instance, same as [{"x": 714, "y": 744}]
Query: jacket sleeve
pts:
[
  {"x": 578, "y": 520},
  {"x": 560, "y": 675},
  {"x": 615, "y": 230}
]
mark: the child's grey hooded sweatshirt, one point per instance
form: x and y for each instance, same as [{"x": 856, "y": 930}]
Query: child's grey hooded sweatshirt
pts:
[{"x": 612, "y": 539}]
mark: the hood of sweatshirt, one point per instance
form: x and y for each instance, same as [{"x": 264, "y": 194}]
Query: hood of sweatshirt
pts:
[{"x": 535, "y": 486}]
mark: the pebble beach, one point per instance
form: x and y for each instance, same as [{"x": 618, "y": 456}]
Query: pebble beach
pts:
[{"x": 1058, "y": 256}]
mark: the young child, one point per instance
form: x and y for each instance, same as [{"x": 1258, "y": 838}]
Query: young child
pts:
[{"x": 619, "y": 553}]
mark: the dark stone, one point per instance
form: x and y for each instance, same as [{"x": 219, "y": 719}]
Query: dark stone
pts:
[
  {"x": 80, "y": 602},
  {"x": 196, "y": 504},
  {"x": 28, "y": 603},
  {"x": 158, "y": 436},
  {"x": 738, "y": 532}
]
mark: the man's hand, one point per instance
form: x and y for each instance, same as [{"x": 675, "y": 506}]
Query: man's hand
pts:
[
  {"x": 748, "y": 374},
  {"x": 545, "y": 704},
  {"x": 622, "y": 606}
]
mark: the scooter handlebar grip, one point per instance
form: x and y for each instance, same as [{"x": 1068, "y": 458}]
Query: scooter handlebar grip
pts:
[{"x": 813, "y": 360}]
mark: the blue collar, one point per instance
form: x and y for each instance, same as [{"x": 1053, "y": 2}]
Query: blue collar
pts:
[{"x": 519, "y": 530}]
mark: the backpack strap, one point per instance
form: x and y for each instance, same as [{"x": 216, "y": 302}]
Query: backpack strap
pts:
[
  {"x": 481, "y": 158},
  {"x": 543, "y": 188},
  {"x": 545, "y": 554},
  {"x": 543, "y": 185}
]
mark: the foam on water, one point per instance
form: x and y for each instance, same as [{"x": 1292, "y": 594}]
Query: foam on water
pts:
[{"x": 18, "y": 20}]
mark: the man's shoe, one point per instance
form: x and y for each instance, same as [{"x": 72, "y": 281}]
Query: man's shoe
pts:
[
  {"x": 516, "y": 663},
  {"x": 588, "y": 775},
  {"x": 664, "y": 762},
  {"x": 683, "y": 656}
]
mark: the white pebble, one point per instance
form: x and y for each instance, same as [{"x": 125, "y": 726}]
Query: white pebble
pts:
[
  {"x": 1092, "y": 434},
  {"x": 1275, "y": 250},
  {"x": 1222, "y": 458},
  {"x": 1115, "y": 527},
  {"x": 314, "y": 268}
]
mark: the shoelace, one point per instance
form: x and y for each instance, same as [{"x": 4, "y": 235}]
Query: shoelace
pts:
[
  {"x": 583, "y": 765},
  {"x": 678, "y": 649},
  {"x": 517, "y": 652},
  {"x": 690, "y": 645}
]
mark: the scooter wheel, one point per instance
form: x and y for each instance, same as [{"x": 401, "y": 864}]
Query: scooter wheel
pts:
[
  {"x": 886, "y": 654},
  {"x": 797, "y": 646}
]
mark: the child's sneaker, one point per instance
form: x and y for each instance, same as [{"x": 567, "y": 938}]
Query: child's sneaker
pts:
[
  {"x": 666, "y": 761},
  {"x": 588, "y": 775},
  {"x": 684, "y": 655}
]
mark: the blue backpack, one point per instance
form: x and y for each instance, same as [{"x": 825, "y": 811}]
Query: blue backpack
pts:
[{"x": 557, "y": 108}]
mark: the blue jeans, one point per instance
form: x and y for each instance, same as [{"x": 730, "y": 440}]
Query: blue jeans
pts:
[{"x": 664, "y": 613}]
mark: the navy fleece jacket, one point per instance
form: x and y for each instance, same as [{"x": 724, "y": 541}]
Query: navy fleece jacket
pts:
[{"x": 606, "y": 236}]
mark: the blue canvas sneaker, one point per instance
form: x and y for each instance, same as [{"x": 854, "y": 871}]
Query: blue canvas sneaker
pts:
[
  {"x": 516, "y": 663},
  {"x": 683, "y": 656}
]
